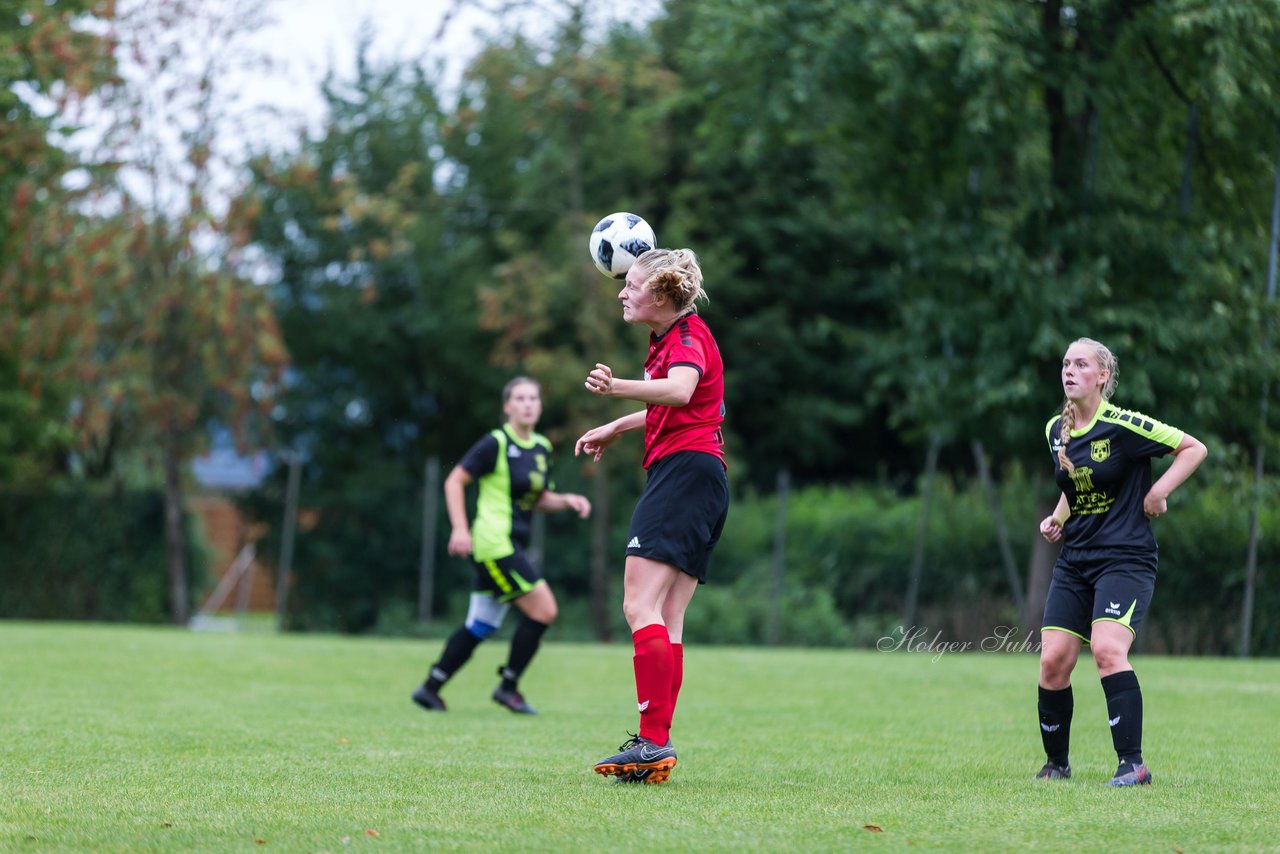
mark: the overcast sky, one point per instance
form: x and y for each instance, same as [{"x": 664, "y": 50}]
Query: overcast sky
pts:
[
  {"x": 305, "y": 41},
  {"x": 310, "y": 37}
]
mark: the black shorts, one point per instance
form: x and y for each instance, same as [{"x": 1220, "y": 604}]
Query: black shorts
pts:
[
  {"x": 507, "y": 578},
  {"x": 681, "y": 512},
  {"x": 1095, "y": 585}
]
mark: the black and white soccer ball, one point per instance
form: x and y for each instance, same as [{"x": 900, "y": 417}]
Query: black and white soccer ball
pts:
[{"x": 616, "y": 242}]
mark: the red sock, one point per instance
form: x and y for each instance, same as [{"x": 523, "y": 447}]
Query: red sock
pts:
[
  {"x": 677, "y": 677},
  {"x": 652, "y": 663}
]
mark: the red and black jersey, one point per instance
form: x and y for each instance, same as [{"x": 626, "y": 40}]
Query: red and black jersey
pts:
[{"x": 696, "y": 425}]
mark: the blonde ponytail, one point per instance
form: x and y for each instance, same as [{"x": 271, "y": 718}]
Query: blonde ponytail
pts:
[
  {"x": 674, "y": 274},
  {"x": 1065, "y": 425}
]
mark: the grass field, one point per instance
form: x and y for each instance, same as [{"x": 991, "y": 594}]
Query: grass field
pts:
[{"x": 133, "y": 739}]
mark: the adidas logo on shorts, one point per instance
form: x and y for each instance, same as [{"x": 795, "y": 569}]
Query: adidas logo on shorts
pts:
[{"x": 634, "y": 544}]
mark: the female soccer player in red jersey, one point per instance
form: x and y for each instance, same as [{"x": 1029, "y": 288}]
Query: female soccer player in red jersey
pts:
[
  {"x": 679, "y": 517},
  {"x": 1106, "y": 573}
]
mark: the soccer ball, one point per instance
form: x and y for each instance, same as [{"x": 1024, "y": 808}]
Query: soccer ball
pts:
[{"x": 616, "y": 242}]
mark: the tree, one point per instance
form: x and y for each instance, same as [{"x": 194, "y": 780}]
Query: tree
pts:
[
  {"x": 925, "y": 195},
  {"x": 185, "y": 334},
  {"x": 53, "y": 249},
  {"x": 376, "y": 265}
]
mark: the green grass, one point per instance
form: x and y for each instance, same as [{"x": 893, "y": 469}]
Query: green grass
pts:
[{"x": 119, "y": 738}]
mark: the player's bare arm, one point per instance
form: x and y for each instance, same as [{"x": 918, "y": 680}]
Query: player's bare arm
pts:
[
  {"x": 455, "y": 501},
  {"x": 675, "y": 389},
  {"x": 594, "y": 441},
  {"x": 1187, "y": 457},
  {"x": 1051, "y": 525},
  {"x": 553, "y": 502}
]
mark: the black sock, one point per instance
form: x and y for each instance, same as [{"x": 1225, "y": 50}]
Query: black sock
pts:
[
  {"x": 524, "y": 644},
  {"x": 457, "y": 650},
  {"x": 1055, "y": 723},
  {"x": 1124, "y": 713}
]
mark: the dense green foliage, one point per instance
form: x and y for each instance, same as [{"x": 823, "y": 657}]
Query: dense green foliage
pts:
[
  {"x": 124, "y": 739},
  {"x": 86, "y": 555},
  {"x": 845, "y": 568},
  {"x": 905, "y": 211}
]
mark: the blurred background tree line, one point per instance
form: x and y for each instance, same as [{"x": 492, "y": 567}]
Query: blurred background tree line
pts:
[{"x": 905, "y": 211}]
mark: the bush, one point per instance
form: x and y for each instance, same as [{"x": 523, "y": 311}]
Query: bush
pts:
[
  {"x": 87, "y": 555},
  {"x": 847, "y": 563}
]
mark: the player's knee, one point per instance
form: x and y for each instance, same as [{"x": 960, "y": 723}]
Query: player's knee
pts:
[
  {"x": 632, "y": 612},
  {"x": 1053, "y": 677},
  {"x": 484, "y": 615},
  {"x": 1110, "y": 657},
  {"x": 1055, "y": 671},
  {"x": 480, "y": 629}
]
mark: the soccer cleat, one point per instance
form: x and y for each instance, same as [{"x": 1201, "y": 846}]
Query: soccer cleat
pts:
[
  {"x": 1053, "y": 771},
  {"x": 513, "y": 700},
  {"x": 640, "y": 754},
  {"x": 1129, "y": 774},
  {"x": 645, "y": 776},
  {"x": 428, "y": 699}
]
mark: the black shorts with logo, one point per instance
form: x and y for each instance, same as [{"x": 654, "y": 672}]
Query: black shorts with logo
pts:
[
  {"x": 1093, "y": 585},
  {"x": 681, "y": 513},
  {"x": 506, "y": 578}
]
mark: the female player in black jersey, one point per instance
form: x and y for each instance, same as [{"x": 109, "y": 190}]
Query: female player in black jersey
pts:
[
  {"x": 679, "y": 517},
  {"x": 513, "y": 466},
  {"x": 1106, "y": 572}
]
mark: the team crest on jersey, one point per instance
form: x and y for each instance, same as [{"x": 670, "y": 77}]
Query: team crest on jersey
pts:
[{"x": 1100, "y": 449}]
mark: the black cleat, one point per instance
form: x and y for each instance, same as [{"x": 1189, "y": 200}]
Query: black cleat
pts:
[
  {"x": 1129, "y": 774},
  {"x": 640, "y": 755},
  {"x": 428, "y": 699},
  {"x": 513, "y": 700},
  {"x": 1053, "y": 771},
  {"x": 645, "y": 776}
]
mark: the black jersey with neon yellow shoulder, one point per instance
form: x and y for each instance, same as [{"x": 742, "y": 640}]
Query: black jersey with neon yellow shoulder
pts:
[
  {"x": 512, "y": 474},
  {"x": 1112, "y": 458}
]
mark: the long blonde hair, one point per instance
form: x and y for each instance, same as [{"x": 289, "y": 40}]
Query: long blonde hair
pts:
[{"x": 1106, "y": 362}]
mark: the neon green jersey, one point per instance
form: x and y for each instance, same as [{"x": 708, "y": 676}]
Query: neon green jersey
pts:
[{"x": 512, "y": 473}]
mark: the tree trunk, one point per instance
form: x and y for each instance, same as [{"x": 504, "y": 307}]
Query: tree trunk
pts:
[
  {"x": 1002, "y": 530},
  {"x": 773, "y": 631},
  {"x": 284, "y": 572},
  {"x": 600, "y": 554},
  {"x": 175, "y": 537},
  {"x": 427, "y": 556},
  {"x": 1039, "y": 571},
  {"x": 922, "y": 534},
  {"x": 1255, "y": 531}
]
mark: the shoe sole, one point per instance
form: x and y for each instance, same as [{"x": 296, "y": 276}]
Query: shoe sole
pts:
[
  {"x": 427, "y": 706},
  {"x": 528, "y": 711},
  {"x": 659, "y": 772},
  {"x": 1133, "y": 785}
]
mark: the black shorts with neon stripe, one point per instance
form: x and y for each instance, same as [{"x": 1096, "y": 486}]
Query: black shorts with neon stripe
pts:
[
  {"x": 507, "y": 578},
  {"x": 1095, "y": 585}
]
